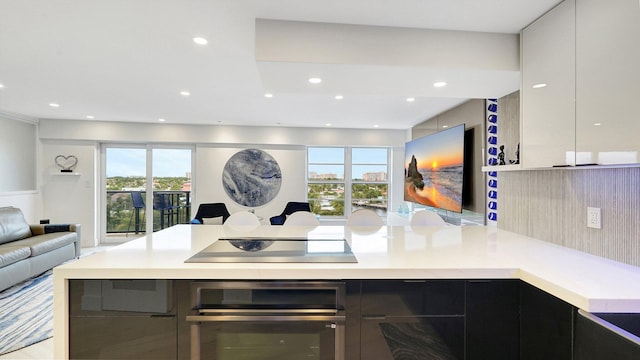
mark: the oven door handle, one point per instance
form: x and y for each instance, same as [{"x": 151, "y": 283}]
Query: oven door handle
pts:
[{"x": 197, "y": 317}]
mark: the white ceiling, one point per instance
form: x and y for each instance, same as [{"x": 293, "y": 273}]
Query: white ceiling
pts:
[{"x": 128, "y": 60}]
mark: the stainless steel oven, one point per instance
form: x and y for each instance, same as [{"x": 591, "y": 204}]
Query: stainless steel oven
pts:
[{"x": 245, "y": 320}]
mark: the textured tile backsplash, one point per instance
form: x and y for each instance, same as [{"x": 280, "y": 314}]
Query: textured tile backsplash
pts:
[{"x": 551, "y": 205}]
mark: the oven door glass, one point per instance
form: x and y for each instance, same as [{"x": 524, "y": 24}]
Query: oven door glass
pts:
[{"x": 267, "y": 340}]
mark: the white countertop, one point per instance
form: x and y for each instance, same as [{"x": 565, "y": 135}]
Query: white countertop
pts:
[
  {"x": 391, "y": 252},
  {"x": 588, "y": 282}
]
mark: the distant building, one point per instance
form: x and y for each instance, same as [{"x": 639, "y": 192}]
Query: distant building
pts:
[
  {"x": 314, "y": 175},
  {"x": 375, "y": 176}
]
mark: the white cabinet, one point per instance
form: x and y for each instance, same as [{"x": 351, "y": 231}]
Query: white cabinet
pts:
[
  {"x": 608, "y": 81},
  {"x": 548, "y": 89},
  {"x": 587, "y": 53}
]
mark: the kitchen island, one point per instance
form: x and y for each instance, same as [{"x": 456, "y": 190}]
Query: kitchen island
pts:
[{"x": 584, "y": 281}]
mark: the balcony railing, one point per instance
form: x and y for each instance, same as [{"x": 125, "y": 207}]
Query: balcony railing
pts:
[{"x": 126, "y": 210}]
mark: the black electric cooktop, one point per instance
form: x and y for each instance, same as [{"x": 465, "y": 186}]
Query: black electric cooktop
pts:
[{"x": 275, "y": 250}]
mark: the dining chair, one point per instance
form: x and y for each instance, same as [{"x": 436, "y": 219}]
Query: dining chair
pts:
[
  {"x": 163, "y": 202},
  {"x": 138, "y": 205},
  {"x": 364, "y": 217},
  {"x": 426, "y": 218},
  {"x": 302, "y": 218}
]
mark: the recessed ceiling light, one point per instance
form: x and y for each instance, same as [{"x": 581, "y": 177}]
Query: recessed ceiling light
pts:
[
  {"x": 327, "y": 124},
  {"x": 315, "y": 80},
  {"x": 445, "y": 126},
  {"x": 200, "y": 40},
  {"x": 90, "y": 117},
  {"x": 185, "y": 93},
  {"x": 54, "y": 105},
  {"x": 597, "y": 124},
  {"x": 268, "y": 95},
  {"x": 439, "y": 84},
  {"x": 376, "y": 126},
  {"x": 161, "y": 120},
  {"x": 1, "y": 86},
  {"x": 538, "y": 86},
  {"x": 411, "y": 99},
  {"x": 339, "y": 97}
]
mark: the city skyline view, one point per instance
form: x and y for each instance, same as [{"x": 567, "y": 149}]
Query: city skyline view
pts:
[{"x": 330, "y": 160}]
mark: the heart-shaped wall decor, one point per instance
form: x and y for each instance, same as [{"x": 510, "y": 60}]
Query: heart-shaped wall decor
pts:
[{"x": 66, "y": 163}]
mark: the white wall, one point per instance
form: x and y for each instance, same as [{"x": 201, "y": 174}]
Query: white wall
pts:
[
  {"x": 27, "y": 201},
  {"x": 82, "y": 130},
  {"x": 210, "y": 161},
  {"x": 71, "y": 198},
  {"x": 74, "y": 198},
  {"x": 17, "y": 154},
  {"x": 18, "y": 163}
]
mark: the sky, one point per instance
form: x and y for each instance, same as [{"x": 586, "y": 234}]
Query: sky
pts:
[
  {"x": 132, "y": 162},
  {"x": 328, "y": 160},
  {"x": 444, "y": 148},
  {"x": 177, "y": 162}
]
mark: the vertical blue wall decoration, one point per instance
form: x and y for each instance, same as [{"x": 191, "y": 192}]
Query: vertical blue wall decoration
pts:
[{"x": 492, "y": 159}]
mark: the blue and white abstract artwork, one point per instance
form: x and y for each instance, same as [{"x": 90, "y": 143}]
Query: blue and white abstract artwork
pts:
[{"x": 251, "y": 177}]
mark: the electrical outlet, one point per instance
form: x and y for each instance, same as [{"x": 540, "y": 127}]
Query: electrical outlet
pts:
[{"x": 594, "y": 218}]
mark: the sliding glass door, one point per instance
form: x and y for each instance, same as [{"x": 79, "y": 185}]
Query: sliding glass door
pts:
[
  {"x": 171, "y": 187},
  {"x": 147, "y": 188}
]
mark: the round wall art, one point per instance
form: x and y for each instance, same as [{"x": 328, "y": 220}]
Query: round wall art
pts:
[{"x": 251, "y": 177}]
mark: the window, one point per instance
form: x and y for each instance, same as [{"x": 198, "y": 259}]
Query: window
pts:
[
  {"x": 369, "y": 179},
  {"x": 343, "y": 179},
  {"x": 326, "y": 180},
  {"x": 127, "y": 170}
]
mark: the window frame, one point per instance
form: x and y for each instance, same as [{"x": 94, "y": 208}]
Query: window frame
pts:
[
  {"x": 149, "y": 162},
  {"x": 347, "y": 182}
]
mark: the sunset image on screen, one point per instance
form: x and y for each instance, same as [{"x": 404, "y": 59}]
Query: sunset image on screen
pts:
[{"x": 434, "y": 169}]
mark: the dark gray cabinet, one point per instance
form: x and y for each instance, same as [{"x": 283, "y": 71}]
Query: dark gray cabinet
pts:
[
  {"x": 352, "y": 326},
  {"x": 607, "y": 336},
  {"x": 412, "y": 319},
  {"x": 440, "y": 319},
  {"x": 546, "y": 325},
  {"x": 385, "y": 319},
  {"x": 122, "y": 319},
  {"x": 492, "y": 319}
]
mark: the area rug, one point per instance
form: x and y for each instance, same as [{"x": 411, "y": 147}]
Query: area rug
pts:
[{"x": 26, "y": 313}]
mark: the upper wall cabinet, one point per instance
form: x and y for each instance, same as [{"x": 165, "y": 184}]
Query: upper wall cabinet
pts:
[
  {"x": 548, "y": 89},
  {"x": 608, "y": 81},
  {"x": 581, "y": 85}
]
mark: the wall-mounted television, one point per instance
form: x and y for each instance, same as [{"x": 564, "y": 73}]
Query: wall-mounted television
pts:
[{"x": 434, "y": 169}]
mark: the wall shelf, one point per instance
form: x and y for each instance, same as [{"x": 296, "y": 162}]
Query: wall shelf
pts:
[
  {"x": 65, "y": 173},
  {"x": 573, "y": 167}
]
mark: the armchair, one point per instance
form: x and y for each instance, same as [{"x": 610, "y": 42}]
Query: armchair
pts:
[{"x": 211, "y": 210}]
